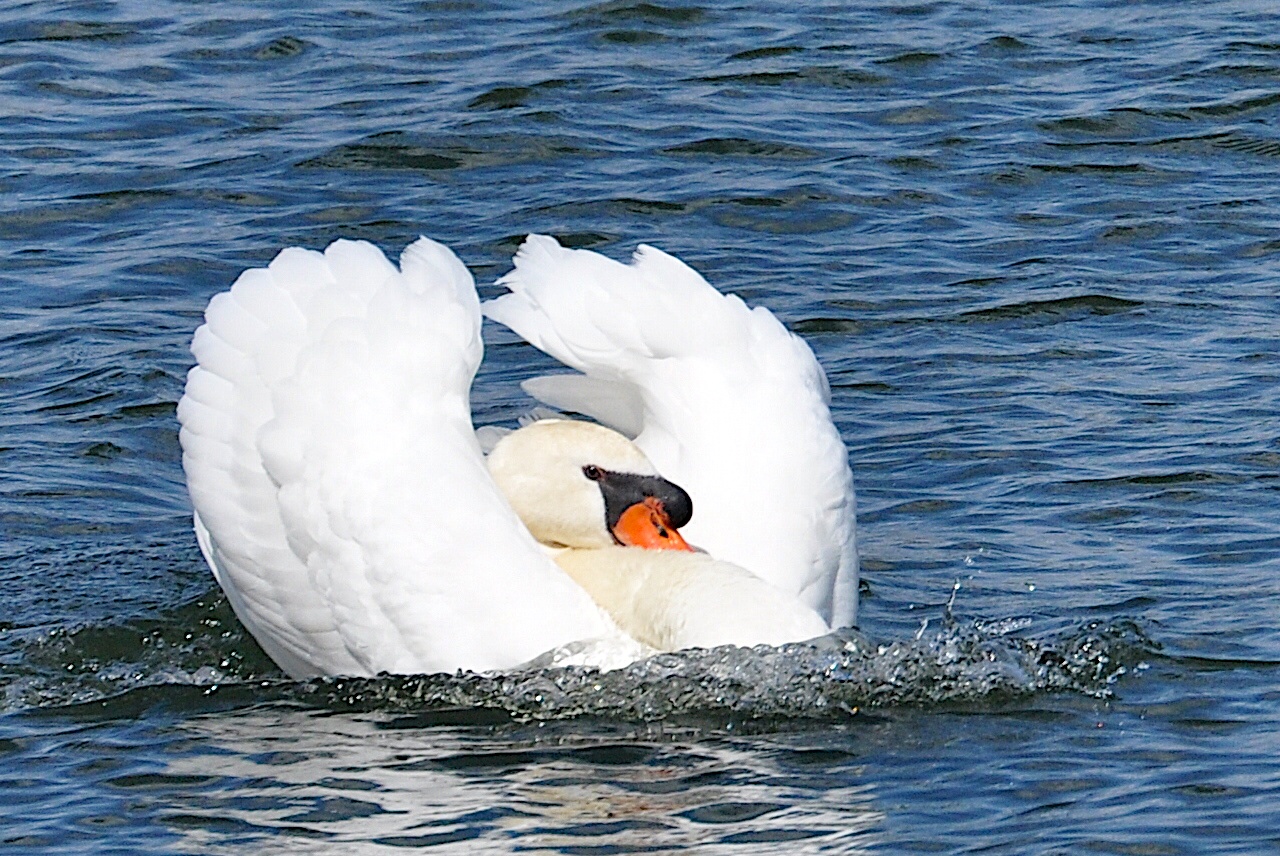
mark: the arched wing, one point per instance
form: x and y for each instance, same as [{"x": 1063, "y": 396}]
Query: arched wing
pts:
[
  {"x": 341, "y": 498},
  {"x": 722, "y": 398}
]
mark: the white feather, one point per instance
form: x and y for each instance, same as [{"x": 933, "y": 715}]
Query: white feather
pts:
[
  {"x": 613, "y": 404},
  {"x": 722, "y": 398},
  {"x": 341, "y": 496}
]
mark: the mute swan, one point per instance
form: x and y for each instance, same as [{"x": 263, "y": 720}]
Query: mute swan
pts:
[
  {"x": 343, "y": 503},
  {"x": 585, "y": 491}
]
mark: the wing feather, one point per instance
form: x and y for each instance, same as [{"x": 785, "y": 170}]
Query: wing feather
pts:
[
  {"x": 722, "y": 398},
  {"x": 341, "y": 497}
]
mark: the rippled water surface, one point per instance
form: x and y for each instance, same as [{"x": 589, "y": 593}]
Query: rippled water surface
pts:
[{"x": 1035, "y": 246}]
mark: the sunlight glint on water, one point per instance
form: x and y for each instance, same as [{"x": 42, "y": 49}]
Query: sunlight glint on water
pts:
[{"x": 1033, "y": 246}]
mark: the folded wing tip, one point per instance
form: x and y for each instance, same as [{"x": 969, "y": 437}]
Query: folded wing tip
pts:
[
  {"x": 537, "y": 247},
  {"x": 499, "y": 308}
]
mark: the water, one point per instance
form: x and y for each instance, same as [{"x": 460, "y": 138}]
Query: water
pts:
[{"x": 1034, "y": 245}]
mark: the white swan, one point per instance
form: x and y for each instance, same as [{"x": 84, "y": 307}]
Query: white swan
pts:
[
  {"x": 344, "y": 505},
  {"x": 584, "y": 491}
]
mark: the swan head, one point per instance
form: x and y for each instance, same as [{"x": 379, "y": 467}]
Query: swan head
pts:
[{"x": 581, "y": 485}]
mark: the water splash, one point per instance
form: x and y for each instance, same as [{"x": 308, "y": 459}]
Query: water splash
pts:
[
  {"x": 832, "y": 678},
  {"x": 201, "y": 645}
]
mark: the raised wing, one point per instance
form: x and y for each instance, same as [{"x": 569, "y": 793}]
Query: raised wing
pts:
[
  {"x": 341, "y": 498},
  {"x": 722, "y": 398}
]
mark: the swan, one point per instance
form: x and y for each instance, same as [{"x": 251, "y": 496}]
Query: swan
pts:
[
  {"x": 343, "y": 502},
  {"x": 592, "y": 497}
]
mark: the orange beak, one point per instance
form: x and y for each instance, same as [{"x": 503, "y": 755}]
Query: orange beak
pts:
[{"x": 647, "y": 524}]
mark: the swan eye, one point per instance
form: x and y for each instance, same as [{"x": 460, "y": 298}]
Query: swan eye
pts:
[{"x": 592, "y": 472}]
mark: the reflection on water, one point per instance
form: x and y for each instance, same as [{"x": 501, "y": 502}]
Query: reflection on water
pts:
[{"x": 322, "y": 781}]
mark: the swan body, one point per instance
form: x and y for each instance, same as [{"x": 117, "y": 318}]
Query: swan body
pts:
[
  {"x": 344, "y": 505},
  {"x": 670, "y": 600}
]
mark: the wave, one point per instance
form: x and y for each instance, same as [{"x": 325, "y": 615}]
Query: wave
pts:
[
  {"x": 200, "y": 643},
  {"x": 1070, "y": 308},
  {"x": 393, "y": 151},
  {"x": 198, "y": 657},
  {"x": 834, "y": 678}
]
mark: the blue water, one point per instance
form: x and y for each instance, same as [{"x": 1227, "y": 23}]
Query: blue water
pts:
[{"x": 1034, "y": 245}]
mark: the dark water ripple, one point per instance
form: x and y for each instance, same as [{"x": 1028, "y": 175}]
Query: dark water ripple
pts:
[{"x": 1035, "y": 247}]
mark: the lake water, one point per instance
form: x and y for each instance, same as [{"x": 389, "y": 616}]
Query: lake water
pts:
[{"x": 1035, "y": 246}]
